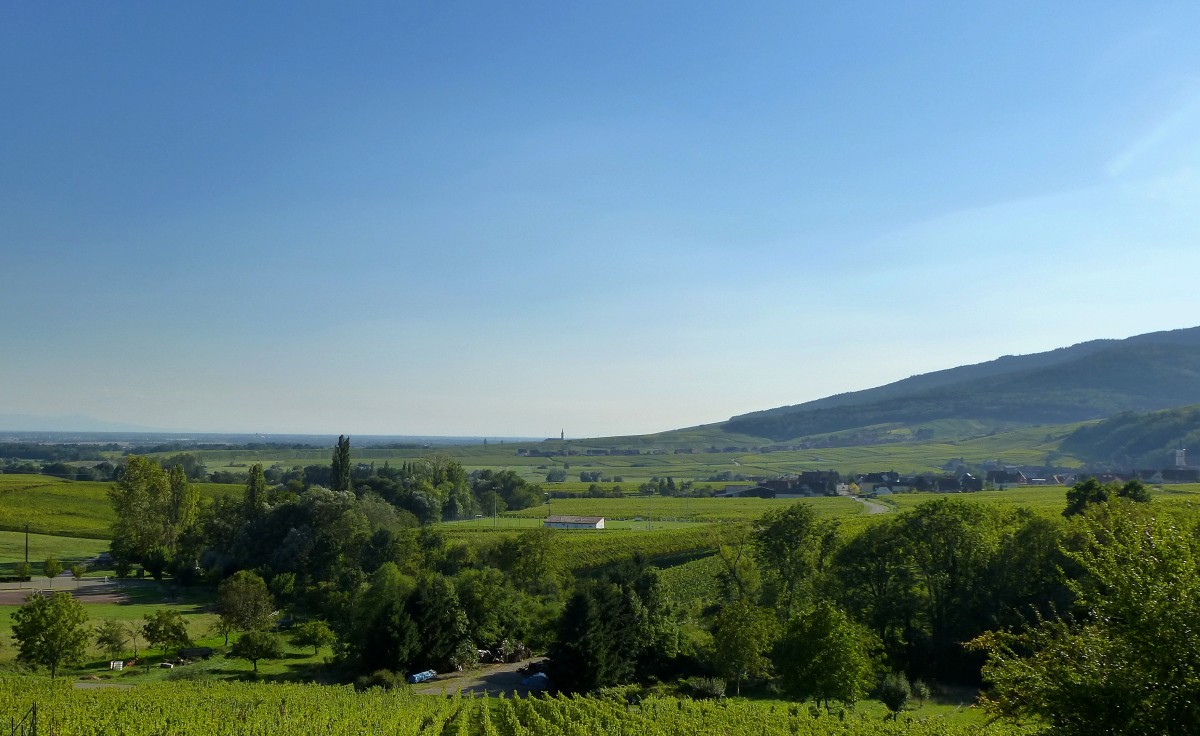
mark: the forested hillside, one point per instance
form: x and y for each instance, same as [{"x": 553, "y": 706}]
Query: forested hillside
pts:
[
  {"x": 1088, "y": 381},
  {"x": 1135, "y": 439}
]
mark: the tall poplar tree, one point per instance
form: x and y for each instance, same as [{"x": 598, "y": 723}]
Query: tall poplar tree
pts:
[
  {"x": 181, "y": 506},
  {"x": 341, "y": 464},
  {"x": 255, "y": 500}
]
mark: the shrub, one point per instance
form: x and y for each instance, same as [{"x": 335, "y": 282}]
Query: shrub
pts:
[
  {"x": 382, "y": 679},
  {"x": 707, "y": 687},
  {"x": 895, "y": 691}
]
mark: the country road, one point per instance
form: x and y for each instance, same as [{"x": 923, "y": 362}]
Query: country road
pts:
[{"x": 872, "y": 507}]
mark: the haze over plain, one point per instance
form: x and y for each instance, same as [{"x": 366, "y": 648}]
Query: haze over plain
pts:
[{"x": 425, "y": 219}]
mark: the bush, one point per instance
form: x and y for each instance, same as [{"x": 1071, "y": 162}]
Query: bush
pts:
[
  {"x": 895, "y": 691},
  {"x": 921, "y": 691},
  {"x": 382, "y": 679},
  {"x": 707, "y": 687}
]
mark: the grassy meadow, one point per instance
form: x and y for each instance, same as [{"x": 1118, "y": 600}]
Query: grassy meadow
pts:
[
  {"x": 687, "y": 509},
  {"x": 68, "y": 550},
  {"x": 67, "y": 508}
]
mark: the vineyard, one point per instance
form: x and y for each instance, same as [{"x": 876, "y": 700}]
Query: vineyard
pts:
[{"x": 221, "y": 709}]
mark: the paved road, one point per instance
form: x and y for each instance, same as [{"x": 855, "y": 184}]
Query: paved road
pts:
[
  {"x": 88, "y": 590},
  {"x": 872, "y": 507}
]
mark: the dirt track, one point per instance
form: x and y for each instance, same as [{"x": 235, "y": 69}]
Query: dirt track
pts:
[
  {"x": 85, "y": 594},
  {"x": 492, "y": 679}
]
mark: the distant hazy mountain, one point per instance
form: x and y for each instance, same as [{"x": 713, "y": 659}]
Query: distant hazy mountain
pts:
[
  {"x": 66, "y": 423},
  {"x": 1090, "y": 380}
]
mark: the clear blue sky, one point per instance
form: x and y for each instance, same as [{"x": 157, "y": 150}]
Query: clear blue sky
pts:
[{"x": 511, "y": 218}]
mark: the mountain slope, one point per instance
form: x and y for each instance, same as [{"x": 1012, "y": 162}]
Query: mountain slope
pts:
[
  {"x": 1087, "y": 381},
  {"x": 1138, "y": 440}
]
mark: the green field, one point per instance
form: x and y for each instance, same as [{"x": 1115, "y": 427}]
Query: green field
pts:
[
  {"x": 68, "y": 550},
  {"x": 1024, "y": 446},
  {"x": 68, "y": 508},
  {"x": 185, "y": 708},
  {"x": 1044, "y": 499},
  {"x": 687, "y": 509}
]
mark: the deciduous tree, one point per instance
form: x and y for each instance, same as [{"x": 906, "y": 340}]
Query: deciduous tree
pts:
[
  {"x": 792, "y": 546},
  {"x": 743, "y": 635},
  {"x": 165, "y": 629},
  {"x": 52, "y": 568},
  {"x": 1130, "y": 662},
  {"x": 315, "y": 634},
  {"x": 825, "y": 656},
  {"x": 253, "y": 646},
  {"x": 244, "y": 601},
  {"x": 51, "y": 631},
  {"x": 111, "y": 637}
]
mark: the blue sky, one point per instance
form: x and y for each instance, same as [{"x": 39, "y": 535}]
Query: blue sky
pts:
[{"x": 612, "y": 218}]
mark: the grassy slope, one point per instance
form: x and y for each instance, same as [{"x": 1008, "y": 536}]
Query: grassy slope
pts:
[
  {"x": 68, "y": 550},
  {"x": 65, "y": 507}
]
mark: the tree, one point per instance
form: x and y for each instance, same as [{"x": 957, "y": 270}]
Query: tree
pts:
[
  {"x": 340, "y": 466},
  {"x": 244, "y": 601},
  {"x": 140, "y": 501},
  {"x": 315, "y": 634},
  {"x": 878, "y": 584},
  {"x": 182, "y": 503},
  {"x": 792, "y": 546},
  {"x": 743, "y": 634},
  {"x": 165, "y": 629},
  {"x": 390, "y": 638},
  {"x": 78, "y": 570},
  {"x": 223, "y": 627},
  {"x": 1129, "y": 663},
  {"x": 1090, "y": 491},
  {"x": 52, "y": 568},
  {"x": 1135, "y": 490},
  {"x": 255, "y": 500},
  {"x": 441, "y": 623},
  {"x": 596, "y": 645},
  {"x": 894, "y": 692},
  {"x": 22, "y": 572},
  {"x": 255, "y": 645},
  {"x": 952, "y": 546},
  {"x": 825, "y": 656},
  {"x": 111, "y": 637},
  {"x": 51, "y": 631},
  {"x": 1083, "y": 493}
]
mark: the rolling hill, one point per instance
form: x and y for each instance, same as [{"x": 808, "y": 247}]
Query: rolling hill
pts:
[{"x": 1091, "y": 380}]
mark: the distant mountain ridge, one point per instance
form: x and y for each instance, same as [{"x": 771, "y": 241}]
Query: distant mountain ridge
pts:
[{"x": 1090, "y": 380}]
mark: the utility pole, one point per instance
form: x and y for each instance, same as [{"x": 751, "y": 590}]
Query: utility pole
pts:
[{"x": 26, "y": 543}]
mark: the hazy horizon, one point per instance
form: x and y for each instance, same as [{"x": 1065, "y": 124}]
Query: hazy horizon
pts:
[{"x": 493, "y": 221}]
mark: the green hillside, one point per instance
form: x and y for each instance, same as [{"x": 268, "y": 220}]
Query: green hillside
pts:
[
  {"x": 1131, "y": 375},
  {"x": 1137, "y": 439}
]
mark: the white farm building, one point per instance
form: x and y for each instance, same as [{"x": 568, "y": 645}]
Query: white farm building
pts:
[{"x": 574, "y": 522}]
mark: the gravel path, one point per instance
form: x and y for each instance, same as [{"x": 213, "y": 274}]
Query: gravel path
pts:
[
  {"x": 492, "y": 679},
  {"x": 872, "y": 507}
]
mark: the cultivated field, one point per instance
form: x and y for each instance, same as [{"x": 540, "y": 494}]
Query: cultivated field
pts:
[
  {"x": 1032, "y": 446},
  {"x": 207, "y": 709},
  {"x": 68, "y": 508}
]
